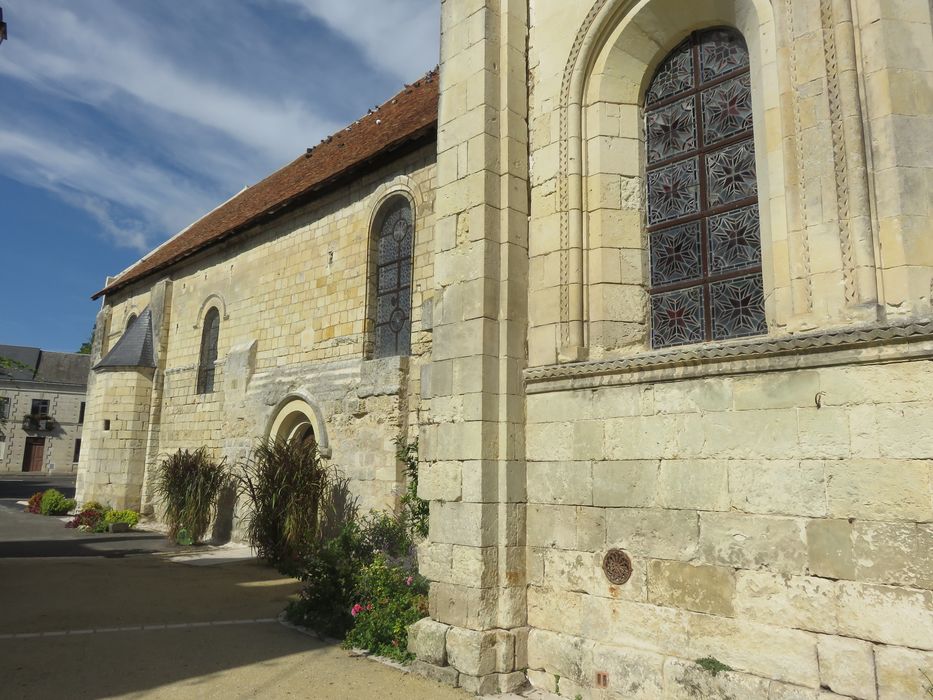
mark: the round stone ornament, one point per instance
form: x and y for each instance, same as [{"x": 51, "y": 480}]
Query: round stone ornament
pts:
[{"x": 617, "y": 565}]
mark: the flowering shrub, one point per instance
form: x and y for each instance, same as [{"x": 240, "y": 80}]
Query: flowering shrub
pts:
[
  {"x": 389, "y": 600},
  {"x": 88, "y": 520},
  {"x": 99, "y": 519},
  {"x": 35, "y": 502},
  {"x": 54, "y": 503}
]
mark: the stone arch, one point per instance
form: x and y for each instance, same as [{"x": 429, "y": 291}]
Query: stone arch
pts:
[
  {"x": 214, "y": 299},
  {"x": 294, "y": 415},
  {"x": 603, "y": 244}
]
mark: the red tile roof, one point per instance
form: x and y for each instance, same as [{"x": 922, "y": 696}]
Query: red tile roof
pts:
[{"x": 408, "y": 116}]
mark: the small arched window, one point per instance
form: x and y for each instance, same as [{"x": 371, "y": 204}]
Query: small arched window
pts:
[
  {"x": 209, "y": 334},
  {"x": 393, "y": 246},
  {"x": 702, "y": 194},
  {"x": 129, "y": 322}
]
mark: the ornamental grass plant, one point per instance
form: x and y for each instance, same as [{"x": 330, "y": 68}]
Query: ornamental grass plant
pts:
[
  {"x": 189, "y": 483},
  {"x": 290, "y": 490}
]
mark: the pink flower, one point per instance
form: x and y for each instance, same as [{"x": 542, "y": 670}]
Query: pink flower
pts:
[
  {"x": 410, "y": 580},
  {"x": 356, "y": 610},
  {"x": 369, "y": 606}
]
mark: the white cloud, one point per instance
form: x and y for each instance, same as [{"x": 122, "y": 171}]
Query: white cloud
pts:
[
  {"x": 399, "y": 36},
  {"x": 131, "y": 200}
]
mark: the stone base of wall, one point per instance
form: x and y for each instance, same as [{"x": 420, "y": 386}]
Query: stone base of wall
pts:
[{"x": 481, "y": 662}]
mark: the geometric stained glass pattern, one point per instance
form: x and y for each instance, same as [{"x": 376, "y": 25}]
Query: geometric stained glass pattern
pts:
[
  {"x": 738, "y": 307},
  {"x": 734, "y": 240},
  {"x": 730, "y": 174},
  {"x": 673, "y": 191},
  {"x": 393, "y": 281},
  {"x": 727, "y": 109},
  {"x": 675, "y": 254},
  {"x": 721, "y": 53},
  {"x": 703, "y": 223},
  {"x": 674, "y": 75},
  {"x": 677, "y": 318},
  {"x": 672, "y": 130}
]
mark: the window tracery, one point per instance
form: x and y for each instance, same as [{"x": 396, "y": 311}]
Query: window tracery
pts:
[
  {"x": 394, "y": 240},
  {"x": 702, "y": 194}
]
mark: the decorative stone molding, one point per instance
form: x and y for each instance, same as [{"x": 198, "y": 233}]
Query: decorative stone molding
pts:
[
  {"x": 754, "y": 355},
  {"x": 213, "y": 299}
]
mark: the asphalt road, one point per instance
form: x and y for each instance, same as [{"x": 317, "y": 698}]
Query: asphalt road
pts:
[{"x": 118, "y": 616}]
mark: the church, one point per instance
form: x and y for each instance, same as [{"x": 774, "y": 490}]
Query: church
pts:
[{"x": 651, "y": 282}]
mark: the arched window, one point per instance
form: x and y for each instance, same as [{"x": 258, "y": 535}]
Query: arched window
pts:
[
  {"x": 393, "y": 246},
  {"x": 211, "y": 330},
  {"x": 129, "y": 322},
  {"x": 702, "y": 194}
]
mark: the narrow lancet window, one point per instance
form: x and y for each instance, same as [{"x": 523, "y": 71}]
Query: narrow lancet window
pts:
[
  {"x": 392, "y": 326},
  {"x": 702, "y": 194},
  {"x": 208, "y": 357}
]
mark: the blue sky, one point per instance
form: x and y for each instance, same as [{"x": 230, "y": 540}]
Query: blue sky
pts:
[{"x": 122, "y": 121}]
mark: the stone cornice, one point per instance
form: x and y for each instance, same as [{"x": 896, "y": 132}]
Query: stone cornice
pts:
[{"x": 851, "y": 345}]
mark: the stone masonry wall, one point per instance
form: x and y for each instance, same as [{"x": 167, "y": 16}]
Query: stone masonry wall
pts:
[
  {"x": 780, "y": 523},
  {"x": 293, "y": 303}
]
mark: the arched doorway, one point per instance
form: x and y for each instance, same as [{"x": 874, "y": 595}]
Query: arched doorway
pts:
[{"x": 297, "y": 418}]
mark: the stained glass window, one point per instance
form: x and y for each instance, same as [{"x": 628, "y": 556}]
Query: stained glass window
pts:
[
  {"x": 209, "y": 336},
  {"x": 702, "y": 194},
  {"x": 393, "y": 280}
]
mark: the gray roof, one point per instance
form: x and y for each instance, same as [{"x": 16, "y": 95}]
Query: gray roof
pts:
[
  {"x": 23, "y": 356},
  {"x": 134, "y": 349},
  {"x": 63, "y": 368},
  {"x": 46, "y": 367}
]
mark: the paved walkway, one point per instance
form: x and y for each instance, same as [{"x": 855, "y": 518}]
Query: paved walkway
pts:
[{"x": 113, "y": 616}]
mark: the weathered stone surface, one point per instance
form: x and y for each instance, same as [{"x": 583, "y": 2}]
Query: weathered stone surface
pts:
[
  {"x": 879, "y": 489},
  {"x": 785, "y": 691},
  {"x": 779, "y": 487},
  {"x": 753, "y": 542},
  {"x": 888, "y": 614},
  {"x": 665, "y": 534},
  {"x": 892, "y": 553},
  {"x": 847, "y": 666},
  {"x": 447, "y": 675},
  {"x": 802, "y": 602},
  {"x": 552, "y": 526},
  {"x": 568, "y": 483},
  {"x": 693, "y": 484},
  {"x": 427, "y": 640},
  {"x": 632, "y": 674},
  {"x": 439, "y": 481},
  {"x": 829, "y": 548},
  {"x": 631, "y": 483},
  {"x": 480, "y": 685},
  {"x": 709, "y": 589},
  {"x": 462, "y": 606},
  {"x": 471, "y": 652},
  {"x": 900, "y": 673},
  {"x": 559, "y": 654},
  {"x": 687, "y": 681}
]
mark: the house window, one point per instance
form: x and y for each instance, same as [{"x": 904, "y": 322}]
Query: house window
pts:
[
  {"x": 106, "y": 424},
  {"x": 81, "y": 413},
  {"x": 393, "y": 280},
  {"x": 2, "y": 447},
  {"x": 77, "y": 453},
  {"x": 208, "y": 351},
  {"x": 4, "y": 408},
  {"x": 40, "y": 407},
  {"x": 702, "y": 194}
]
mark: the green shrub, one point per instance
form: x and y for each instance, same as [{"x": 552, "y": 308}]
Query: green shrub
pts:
[
  {"x": 387, "y": 600},
  {"x": 188, "y": 484},
  {"x": 329, "y": 576},
  {"x": 288, "y": 486},
  {"x": 95, "y": 505},
  {"x": 130, "y": 517},
  {"x": 54, "y": 503}
]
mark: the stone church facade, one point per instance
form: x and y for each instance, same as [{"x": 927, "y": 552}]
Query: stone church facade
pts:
[{"x": 670, "y": 338}]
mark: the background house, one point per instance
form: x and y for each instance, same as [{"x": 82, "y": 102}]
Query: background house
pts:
[{"x": 42, "y": 403}]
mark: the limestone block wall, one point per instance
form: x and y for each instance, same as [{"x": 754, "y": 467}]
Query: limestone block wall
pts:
[
  {"x": 293, "y": 302},
  {"x": 65, "y": 408},
  {"x": 780, "y": 522},
  {"x": 113, "y": 453}
]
